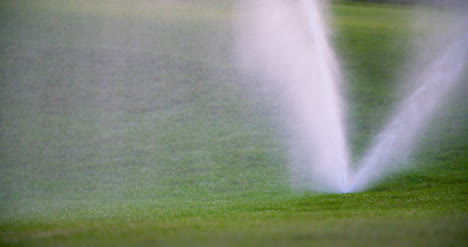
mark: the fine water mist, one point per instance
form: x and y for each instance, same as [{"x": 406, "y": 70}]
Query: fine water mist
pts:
[
  {"x": 104, "y": 103},
  {"x": 288, "y": 44},
  {"x": 109, "y": 105}
]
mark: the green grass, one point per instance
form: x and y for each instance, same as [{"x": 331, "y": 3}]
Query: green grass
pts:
[{"x": 127, "y": 124}]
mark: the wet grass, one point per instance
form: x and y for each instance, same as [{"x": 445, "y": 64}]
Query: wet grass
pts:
[{"x": 128, "y": 125}]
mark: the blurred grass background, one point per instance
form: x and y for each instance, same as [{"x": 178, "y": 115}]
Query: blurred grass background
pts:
[{"x": 127, "y": 123}]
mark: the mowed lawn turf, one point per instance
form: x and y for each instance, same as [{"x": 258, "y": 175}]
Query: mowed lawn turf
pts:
[{"x": 127, "y": 124}]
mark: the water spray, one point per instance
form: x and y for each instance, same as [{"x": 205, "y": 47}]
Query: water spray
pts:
[{"x": 287, "y": 42}]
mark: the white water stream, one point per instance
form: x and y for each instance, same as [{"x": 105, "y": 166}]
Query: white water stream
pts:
[{"x": 287, "y": 42}]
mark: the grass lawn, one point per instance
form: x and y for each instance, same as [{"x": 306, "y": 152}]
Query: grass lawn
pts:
[{"x": 128, "y": 124}]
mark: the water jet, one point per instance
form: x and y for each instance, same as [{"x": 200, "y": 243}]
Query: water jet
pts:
[{"x": 288, "y": 43}]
